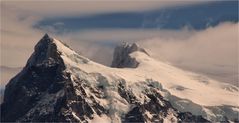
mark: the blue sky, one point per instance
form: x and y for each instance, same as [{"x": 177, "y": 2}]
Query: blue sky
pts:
[{"x": 198, "y": 16}]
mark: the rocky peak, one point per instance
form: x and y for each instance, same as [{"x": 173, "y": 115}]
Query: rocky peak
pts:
[
  {"x": 43, "y": 73},
  {"x": 44, "y": 52},
  {"x": 122, "y": 56}
]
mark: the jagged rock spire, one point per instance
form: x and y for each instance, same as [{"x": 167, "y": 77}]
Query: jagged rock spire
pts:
[
  {"x": 122, "y": 57},
  {"x": 43, "y": 73},
  {"x": 46, "y": 36},
  {"x": 45, "y": 52}
]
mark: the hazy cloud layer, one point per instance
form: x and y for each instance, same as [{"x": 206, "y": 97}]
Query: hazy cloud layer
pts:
[
  {"x": 76, "y": 8},
  {"x": 213, "y": 51},
  {"x": 18, "y": 18},
  {"x": 7, "y": 73},
  {"x": 17, "y": 37},
  {"x": 98, "y": 45}
]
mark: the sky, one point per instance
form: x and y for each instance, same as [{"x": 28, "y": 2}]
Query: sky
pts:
[{"x": 200, "y": 36}]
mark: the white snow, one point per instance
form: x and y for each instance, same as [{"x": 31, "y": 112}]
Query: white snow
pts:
[
  {"x": 75, "y": 116},
  {"x": 211, "y": 94},
  {"x": 188, "y": 90}
]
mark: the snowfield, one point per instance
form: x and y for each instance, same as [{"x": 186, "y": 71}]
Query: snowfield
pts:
[{"x": 185, "y": 90}]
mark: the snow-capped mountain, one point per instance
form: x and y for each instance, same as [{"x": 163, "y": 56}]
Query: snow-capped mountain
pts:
[{"x": 57, "y": 84}]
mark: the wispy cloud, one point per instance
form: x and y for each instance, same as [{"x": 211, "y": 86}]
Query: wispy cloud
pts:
[
  {"x": 78, "y": 8},
  {"x": 6, "y": 74},
  {"x": 198, "y": 16},
  {"x": 19, "y": 17},
  {"x": 17, "y": 37},
  {"x": 212, "y": 50}
]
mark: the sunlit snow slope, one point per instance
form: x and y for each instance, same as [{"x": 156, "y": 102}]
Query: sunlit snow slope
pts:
[{"x": 185, "y": 90}]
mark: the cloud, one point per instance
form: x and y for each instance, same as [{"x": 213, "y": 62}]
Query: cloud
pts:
[
  {"x": 6, "y": 74},
  {"x": 98, "y": 45},
  {"x": 69, "y": 8},
  {"x": 127, "y": 34},
  {"x": 213, "y": 52},
  {"x": 18, "y": 18},
  {"x": 17, "y": 37}
]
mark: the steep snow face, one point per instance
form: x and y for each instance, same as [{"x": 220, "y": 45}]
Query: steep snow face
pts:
[
  {"x": 57, "y": 84},
  {"x": 185, "y": 90},
  {"x": 199, "y": 89}
]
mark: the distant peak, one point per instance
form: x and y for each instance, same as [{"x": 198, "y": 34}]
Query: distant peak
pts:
[
  {"x": 132, "y": 47},
  {"x": 122, "y": 57}
]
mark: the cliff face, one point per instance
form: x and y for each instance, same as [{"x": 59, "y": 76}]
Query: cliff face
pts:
[
  {"x": 122, "y": 56},
  {"x": 59, "y": 85},
  {"x": 43, "y": 73}
]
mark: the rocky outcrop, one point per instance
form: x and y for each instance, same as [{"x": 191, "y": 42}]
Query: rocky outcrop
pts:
[
  {"x": 122, "y": 56},
  {"x": 43, "y": 73},
  {"x": 156, "y": 109}
]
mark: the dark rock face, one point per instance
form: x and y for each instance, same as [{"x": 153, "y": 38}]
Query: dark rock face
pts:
[
  {"x": 42, "y": 73},
  {"x": 84, "y": 105},
  {"x": 156, "y": 110},
  {"x": 44, "y": 92},
  {"x": 122, "y": 57}
]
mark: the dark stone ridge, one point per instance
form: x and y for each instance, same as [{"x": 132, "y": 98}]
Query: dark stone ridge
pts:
[
  {"x": 122, "y": 59},
  {"x": 158, "y": 107},
  {"x": 43, "y": 73},
  {"x": 44, "y": 92}
]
